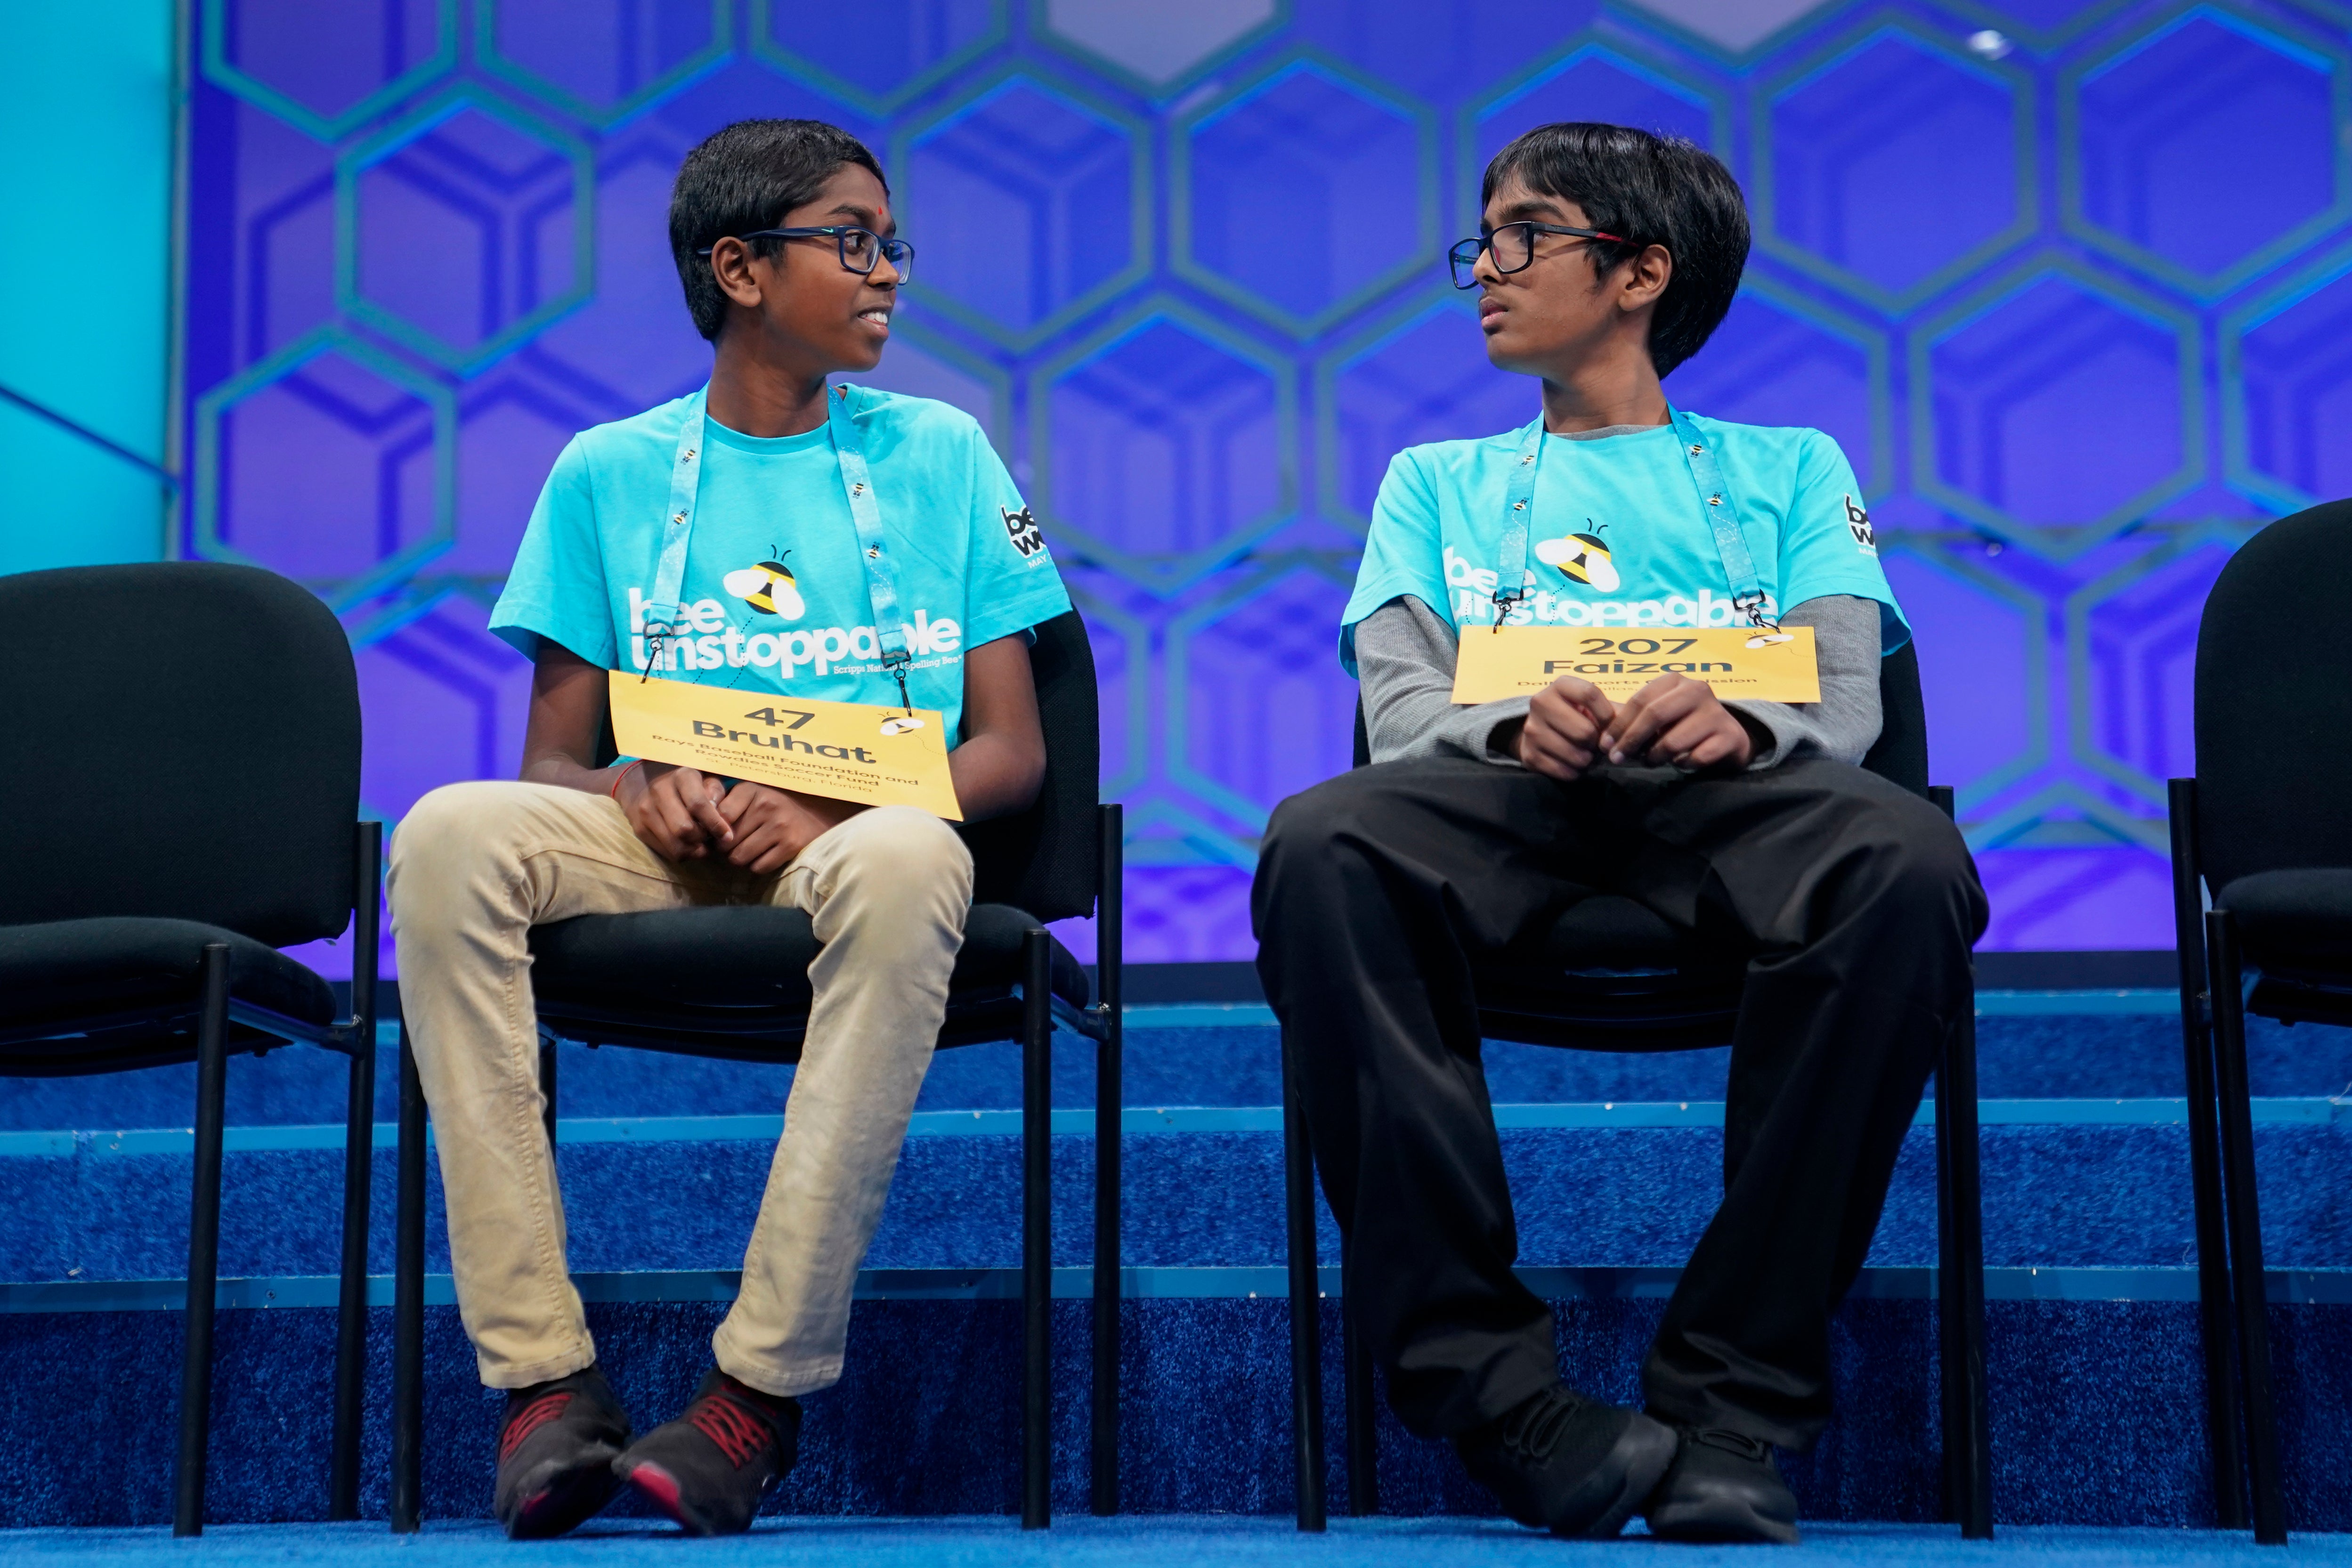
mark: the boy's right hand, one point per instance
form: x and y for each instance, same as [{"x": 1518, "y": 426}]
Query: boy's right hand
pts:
[
  {"x": 676, "y": 811},
  {"x": 1562, "y": 734}
]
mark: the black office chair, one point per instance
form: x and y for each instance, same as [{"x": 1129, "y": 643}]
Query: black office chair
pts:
[
  {"x": 2266, "y": 828},
  {"x": 733, "y": 983},
  {"x": 1682, "y": 1000},
  {"x": 179, "y": 795}
]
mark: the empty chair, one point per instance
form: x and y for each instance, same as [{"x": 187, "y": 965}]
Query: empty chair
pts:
[
  {"x": 178, "y": 800},
  {"x": 2264, "y": 830}
]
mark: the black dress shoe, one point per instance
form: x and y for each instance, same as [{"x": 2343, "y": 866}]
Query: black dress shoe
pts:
[
  {"x": 1724, "y": 1487},
  {"x": 1561, "y": 1462}
]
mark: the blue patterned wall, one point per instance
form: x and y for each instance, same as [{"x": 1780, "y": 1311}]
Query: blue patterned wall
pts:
[{"x": 2070, "y": 280}]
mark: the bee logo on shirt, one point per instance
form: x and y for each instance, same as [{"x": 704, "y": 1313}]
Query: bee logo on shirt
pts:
[
  {"x": 767, "y": 588},
  {"x": 1581, "y": 558},
  {"x": 1858, "y": 522},
  {"x": 1022, "y": 528}
]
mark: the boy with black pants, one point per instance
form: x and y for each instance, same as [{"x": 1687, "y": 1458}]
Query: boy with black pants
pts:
[
  {"x": 1606, "y": 258},
  {"x": 786, "y": 537}
]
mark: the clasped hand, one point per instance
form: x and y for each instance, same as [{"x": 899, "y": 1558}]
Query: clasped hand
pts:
[
  {"x": 683, "y": 813},
  {"x": 1674, "y": 721}
]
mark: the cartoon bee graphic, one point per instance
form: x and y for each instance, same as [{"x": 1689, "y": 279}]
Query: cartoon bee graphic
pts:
[
  {"x": 767, "y": 588},
  {"x": 1581, "y": 558}
]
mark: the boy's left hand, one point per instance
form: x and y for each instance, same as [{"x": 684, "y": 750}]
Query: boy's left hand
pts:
[
  {"x": 1676, "y": 721},
  {"x": 773, "y": 826}
]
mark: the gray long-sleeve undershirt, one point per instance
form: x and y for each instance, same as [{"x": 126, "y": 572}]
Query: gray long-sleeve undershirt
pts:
[{"x": 1405, "y": 653}]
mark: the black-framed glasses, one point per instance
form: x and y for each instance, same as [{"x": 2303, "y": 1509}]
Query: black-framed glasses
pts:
[
  {"x": 860, "y": 248},
  {"x": 1514, "y": 246}
]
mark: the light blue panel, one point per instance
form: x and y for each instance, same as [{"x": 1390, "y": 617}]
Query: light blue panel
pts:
[
  {"x": 85, "y": 278},
  {"x": 66, "y": 501}
]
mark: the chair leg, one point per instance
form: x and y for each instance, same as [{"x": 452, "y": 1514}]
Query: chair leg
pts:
[
  {"x": 1306, "y": 1325},
  {"x": 352, "y": 1305},
  {"x": 359, "y": 1163},
  {"x": 1968, "y": 1432},
  {"x": 1104, "y": 1470},
  {"x": 408, "y": 1304},
  {"x": 1036, "y": 1229},
  {"x": 1109, "y": 1104},
  {"x": 1948, "y": 1309},
  {"x": 203, "y": 1245},
  {"x": 1361, "y": 1414},
  {"x": 2214, "y": 1304},
  {"x": 2245, "y": 1227}
]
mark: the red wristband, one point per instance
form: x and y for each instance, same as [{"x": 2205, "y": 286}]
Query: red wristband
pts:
[{"x": 623, "y": 774}]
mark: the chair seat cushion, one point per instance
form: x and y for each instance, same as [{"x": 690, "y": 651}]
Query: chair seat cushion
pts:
[
  {"x": 1612, "y": 974},
  {"x": 2294, "y": 920},
  {"x": 743, "y": 956},
  {"x": 1606, "y": 932},
  {"x": 70, "y": 970}
]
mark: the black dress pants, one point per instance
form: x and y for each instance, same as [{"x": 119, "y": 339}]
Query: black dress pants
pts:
[{"x": 1854, "y": 904}]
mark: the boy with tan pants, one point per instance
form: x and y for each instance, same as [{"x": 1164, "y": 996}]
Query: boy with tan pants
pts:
[{"x": 719, "y": 538}]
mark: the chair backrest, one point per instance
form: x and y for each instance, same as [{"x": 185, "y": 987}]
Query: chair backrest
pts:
[
  {"x": 1900, "y": 754},
  {"x": 1043, "y": 860},
  {"x": 179, "y": 740},
  {"x": 2274, "y": 703}
]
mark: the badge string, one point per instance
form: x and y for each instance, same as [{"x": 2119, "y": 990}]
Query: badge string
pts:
[
  {"x": 1730, "y": 544},
  {"x": 882, "y": 590}
]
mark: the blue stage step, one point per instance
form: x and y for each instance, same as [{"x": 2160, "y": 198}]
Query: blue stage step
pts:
[
  {"x": 2031, "y": 1046},
  {"x": 1615, "y": 1161},
  {"x": 1596, "y": 1184},
  {"x": 2096, "y": 1411}
]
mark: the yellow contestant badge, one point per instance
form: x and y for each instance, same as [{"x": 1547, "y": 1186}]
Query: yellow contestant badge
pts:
[
  {"x": 847, "y": 750},
  {"x": 1776, "y": 665}
]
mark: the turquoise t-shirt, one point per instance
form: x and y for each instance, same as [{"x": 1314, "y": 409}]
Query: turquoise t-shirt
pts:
[
  {"x": 774, "y": 596},
  {"x": 1619, "y": 536}
]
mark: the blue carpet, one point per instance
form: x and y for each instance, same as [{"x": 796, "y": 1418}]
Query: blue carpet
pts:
[{"x": 1085, "y": 1542}]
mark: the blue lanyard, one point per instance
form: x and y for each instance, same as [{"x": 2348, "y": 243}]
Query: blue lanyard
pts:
[
  {"x": 1715, "y": 499},
  {"x": 665, "y": 611}
]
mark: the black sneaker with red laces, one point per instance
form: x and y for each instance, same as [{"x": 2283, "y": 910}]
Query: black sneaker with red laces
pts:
[
  {"x": 557, "y": 1443},
  {"x": 708, "y": 1469}
]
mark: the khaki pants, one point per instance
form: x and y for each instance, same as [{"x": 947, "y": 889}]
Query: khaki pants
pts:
[{"x": 474, "y": 866}]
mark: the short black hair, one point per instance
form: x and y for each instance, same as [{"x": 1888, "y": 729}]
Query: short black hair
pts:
[
  {"x": 747, "y": 177},
  {"x": 1652, "y": 190}
]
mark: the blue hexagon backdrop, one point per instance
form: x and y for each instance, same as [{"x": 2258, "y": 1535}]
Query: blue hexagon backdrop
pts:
[{"x": 2070, "y": 280}]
